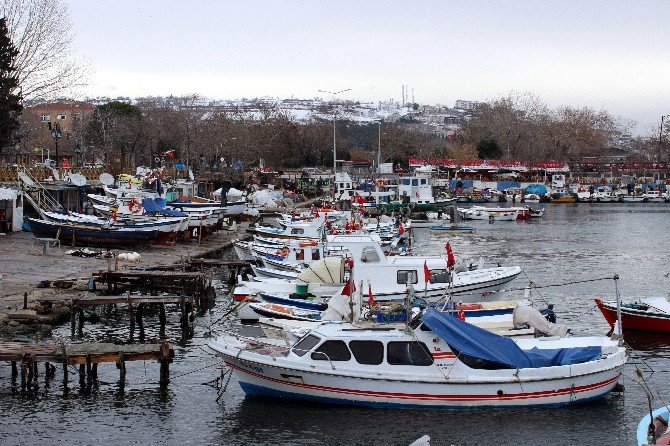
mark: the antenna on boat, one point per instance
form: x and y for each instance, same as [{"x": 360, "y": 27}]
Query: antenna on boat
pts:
[{"x": 408, "y": 300}]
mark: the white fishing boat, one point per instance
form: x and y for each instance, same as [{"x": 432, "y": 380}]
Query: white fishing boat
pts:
[
  {"x": 440, "y": 362},
  {"x": 297, "y": 230},
  {"x": 522, "y": 212},
  {"x": 389, "y": 275},
  {"x": 653, "y": 196},
  {"x": 478, "y": 213}
]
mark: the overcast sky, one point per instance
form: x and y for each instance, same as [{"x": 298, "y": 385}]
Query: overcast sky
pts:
[{"x": 604, "y": 54}]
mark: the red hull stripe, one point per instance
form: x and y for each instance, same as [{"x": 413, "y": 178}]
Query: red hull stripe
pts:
[
  {"x": 440, "y": 355},
  {"x": 427, "y": 397}
]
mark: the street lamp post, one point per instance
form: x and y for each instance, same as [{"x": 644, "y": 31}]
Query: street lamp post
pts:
[
  {"x": 660, "y": 137},
  {"x": 379, "y": 148},
  {"x": 334, "y": 135},
  {"x": 56, "y": 135}
]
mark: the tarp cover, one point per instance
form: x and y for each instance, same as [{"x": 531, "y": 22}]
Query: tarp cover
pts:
[
  {"x": 150, "y": 206},
  {"x": 538, "y": 189},
  {"x": 500, "y": 350}
]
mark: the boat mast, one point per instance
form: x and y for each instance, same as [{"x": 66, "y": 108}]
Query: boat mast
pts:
[{"x": 618, "y": 310}]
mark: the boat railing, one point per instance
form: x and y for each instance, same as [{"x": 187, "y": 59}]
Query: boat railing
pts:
[{"x": 327, "y": 358}]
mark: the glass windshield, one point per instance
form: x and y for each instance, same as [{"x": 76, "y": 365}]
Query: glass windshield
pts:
[{"x": 305, "y": 344}]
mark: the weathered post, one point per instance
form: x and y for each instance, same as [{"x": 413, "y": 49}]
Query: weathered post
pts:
[
  {"x": 161, "y": 317},
  {"x": 24, "y": 373},
  {"x": 165, "y": 364}
]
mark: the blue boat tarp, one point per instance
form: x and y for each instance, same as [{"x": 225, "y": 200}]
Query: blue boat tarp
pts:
[
  {"x": 502, "y": 185},
  {"x": 154, "y": 206},
  {"x": 499, "y": 350},
  {"x": 538, "y": 189}
]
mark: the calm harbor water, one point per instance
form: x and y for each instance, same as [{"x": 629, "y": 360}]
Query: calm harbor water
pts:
[{"x": 571, "y": 243}]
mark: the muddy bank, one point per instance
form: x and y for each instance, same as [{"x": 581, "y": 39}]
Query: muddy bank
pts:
[{"x": 29, "y": 274}]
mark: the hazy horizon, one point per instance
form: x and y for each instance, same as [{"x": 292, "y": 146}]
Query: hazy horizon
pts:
[{"x": 602, "y": 54}]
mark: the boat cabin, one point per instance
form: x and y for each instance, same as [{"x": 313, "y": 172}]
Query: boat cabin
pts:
[{"x": 416, "y": 188}]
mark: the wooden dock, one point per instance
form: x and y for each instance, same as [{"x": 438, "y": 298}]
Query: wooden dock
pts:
[
  {"x": 26, "y": 356},
  {"x": 151, "y": 282},
  {"x": 135, "y": 303}
]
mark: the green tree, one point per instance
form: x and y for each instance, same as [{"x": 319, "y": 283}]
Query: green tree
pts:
[
  {"x": 116, "y": 130},
  {"x": 10, "y": 102},
  {"x": 488, "y": 149}
]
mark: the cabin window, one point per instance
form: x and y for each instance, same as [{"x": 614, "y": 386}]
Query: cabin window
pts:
[
  {"x": 408, "y": 353},
  {"x": 333, "y": 351},
  {"x": 415, "y": 182},
  {"x": 369, "y": 255},
  {"x": 405, "y": 276},
  {"x": 341, "y": 185},
  {"x": 424, "y": 181},
  {"x": 305, "y": 344},
  {"x": 316, "y": 255},
  {"x": 300, "y": 254},
  {"x": 405, "y": 181},
  {"x": 297, "y": 231},
  {"x": 439, "y": 276},
  {"x": 367, "y": 352}
]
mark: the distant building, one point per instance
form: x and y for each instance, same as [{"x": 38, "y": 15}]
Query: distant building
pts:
[
  {"x": 71, "y": 116},
  {"x": 466, "y": 105}
]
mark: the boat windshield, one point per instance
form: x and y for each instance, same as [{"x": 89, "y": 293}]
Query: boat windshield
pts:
[{"x": 305, "y": 344}]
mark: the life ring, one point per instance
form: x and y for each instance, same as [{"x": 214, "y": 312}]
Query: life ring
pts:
[
  {"x": 135, "y": 207},
  {"x": 381, "y": 182},
  {"x": 157, "y": 159}
]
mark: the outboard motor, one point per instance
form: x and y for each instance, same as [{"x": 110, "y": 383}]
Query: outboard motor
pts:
[{"x": 549, "y": 314}]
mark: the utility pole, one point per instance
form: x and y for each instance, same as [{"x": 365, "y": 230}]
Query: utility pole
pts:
[
  {"x": 660, "y": 138},
  {"x": 379, "y": 148},
  {"x": 55, "y": 134},
  {"x": 334, "y": 133}
]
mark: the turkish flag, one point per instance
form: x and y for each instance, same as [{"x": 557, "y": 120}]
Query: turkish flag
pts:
[
  {"x": 451, "y": 261},
  {"x": 347, "y": 290},
  {"x": 371, "y": 299},
  {"x": 426, "y": 272}
]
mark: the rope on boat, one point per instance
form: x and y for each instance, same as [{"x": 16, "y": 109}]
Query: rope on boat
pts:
[
  {"x": 225, "y": 315},
  {"x": 554, "y": 285}
]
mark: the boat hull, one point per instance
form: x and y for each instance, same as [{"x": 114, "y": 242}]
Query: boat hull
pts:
[
  {"x": 265, "y": 378},
  {"x": 80, "y": 235},
  {"x": 638, "y": 320}
]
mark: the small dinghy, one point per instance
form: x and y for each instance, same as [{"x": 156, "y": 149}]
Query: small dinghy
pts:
[
  {"x": 285, "y": 312},
  {"x": 649, "y": 314},
  {"x": 656, "y": 431}
]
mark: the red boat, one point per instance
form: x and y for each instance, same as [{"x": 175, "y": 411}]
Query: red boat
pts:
[{"x": 650, "y": 314}]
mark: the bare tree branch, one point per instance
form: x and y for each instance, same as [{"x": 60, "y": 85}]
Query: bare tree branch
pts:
[{"x": 42, "y": 32}]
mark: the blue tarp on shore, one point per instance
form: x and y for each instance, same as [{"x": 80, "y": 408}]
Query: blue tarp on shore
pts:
[{"x": 152, "y": 206}]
